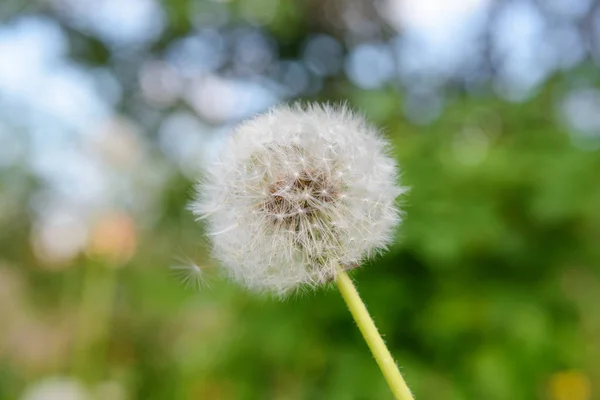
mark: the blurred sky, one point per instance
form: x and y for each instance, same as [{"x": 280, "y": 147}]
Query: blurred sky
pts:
[{"x": 62, "y": 119}]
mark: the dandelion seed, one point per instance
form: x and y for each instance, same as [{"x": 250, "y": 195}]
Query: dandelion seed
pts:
[{"x": 191, "y": 275}]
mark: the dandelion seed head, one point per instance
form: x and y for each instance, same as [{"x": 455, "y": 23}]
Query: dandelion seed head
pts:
[{"x": 298, "y": 193}]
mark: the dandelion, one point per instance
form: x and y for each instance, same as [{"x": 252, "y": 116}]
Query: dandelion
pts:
[{"x": 298, "y": 196}]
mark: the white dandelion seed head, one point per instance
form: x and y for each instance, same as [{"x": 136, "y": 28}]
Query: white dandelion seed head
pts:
[{"x": 296, "y": 194}]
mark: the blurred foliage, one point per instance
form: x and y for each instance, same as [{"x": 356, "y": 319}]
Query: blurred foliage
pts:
[{"x": 491, "y": 291}]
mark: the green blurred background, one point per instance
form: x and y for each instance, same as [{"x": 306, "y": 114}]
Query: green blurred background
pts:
[{"x": 109, "y": 109}]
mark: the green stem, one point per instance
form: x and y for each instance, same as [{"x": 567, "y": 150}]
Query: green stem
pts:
[{"x": 373, "y": 338}]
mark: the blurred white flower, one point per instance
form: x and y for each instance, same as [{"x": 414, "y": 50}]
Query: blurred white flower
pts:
[
  {"x": 56, "y": 388},
  {"x": 298, "y": 193}
]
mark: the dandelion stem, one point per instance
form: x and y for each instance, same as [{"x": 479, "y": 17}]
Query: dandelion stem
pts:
[{"x": 373, "y": 338}]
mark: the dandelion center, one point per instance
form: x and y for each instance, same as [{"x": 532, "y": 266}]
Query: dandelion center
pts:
[{"x": 303, "y": 194}]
